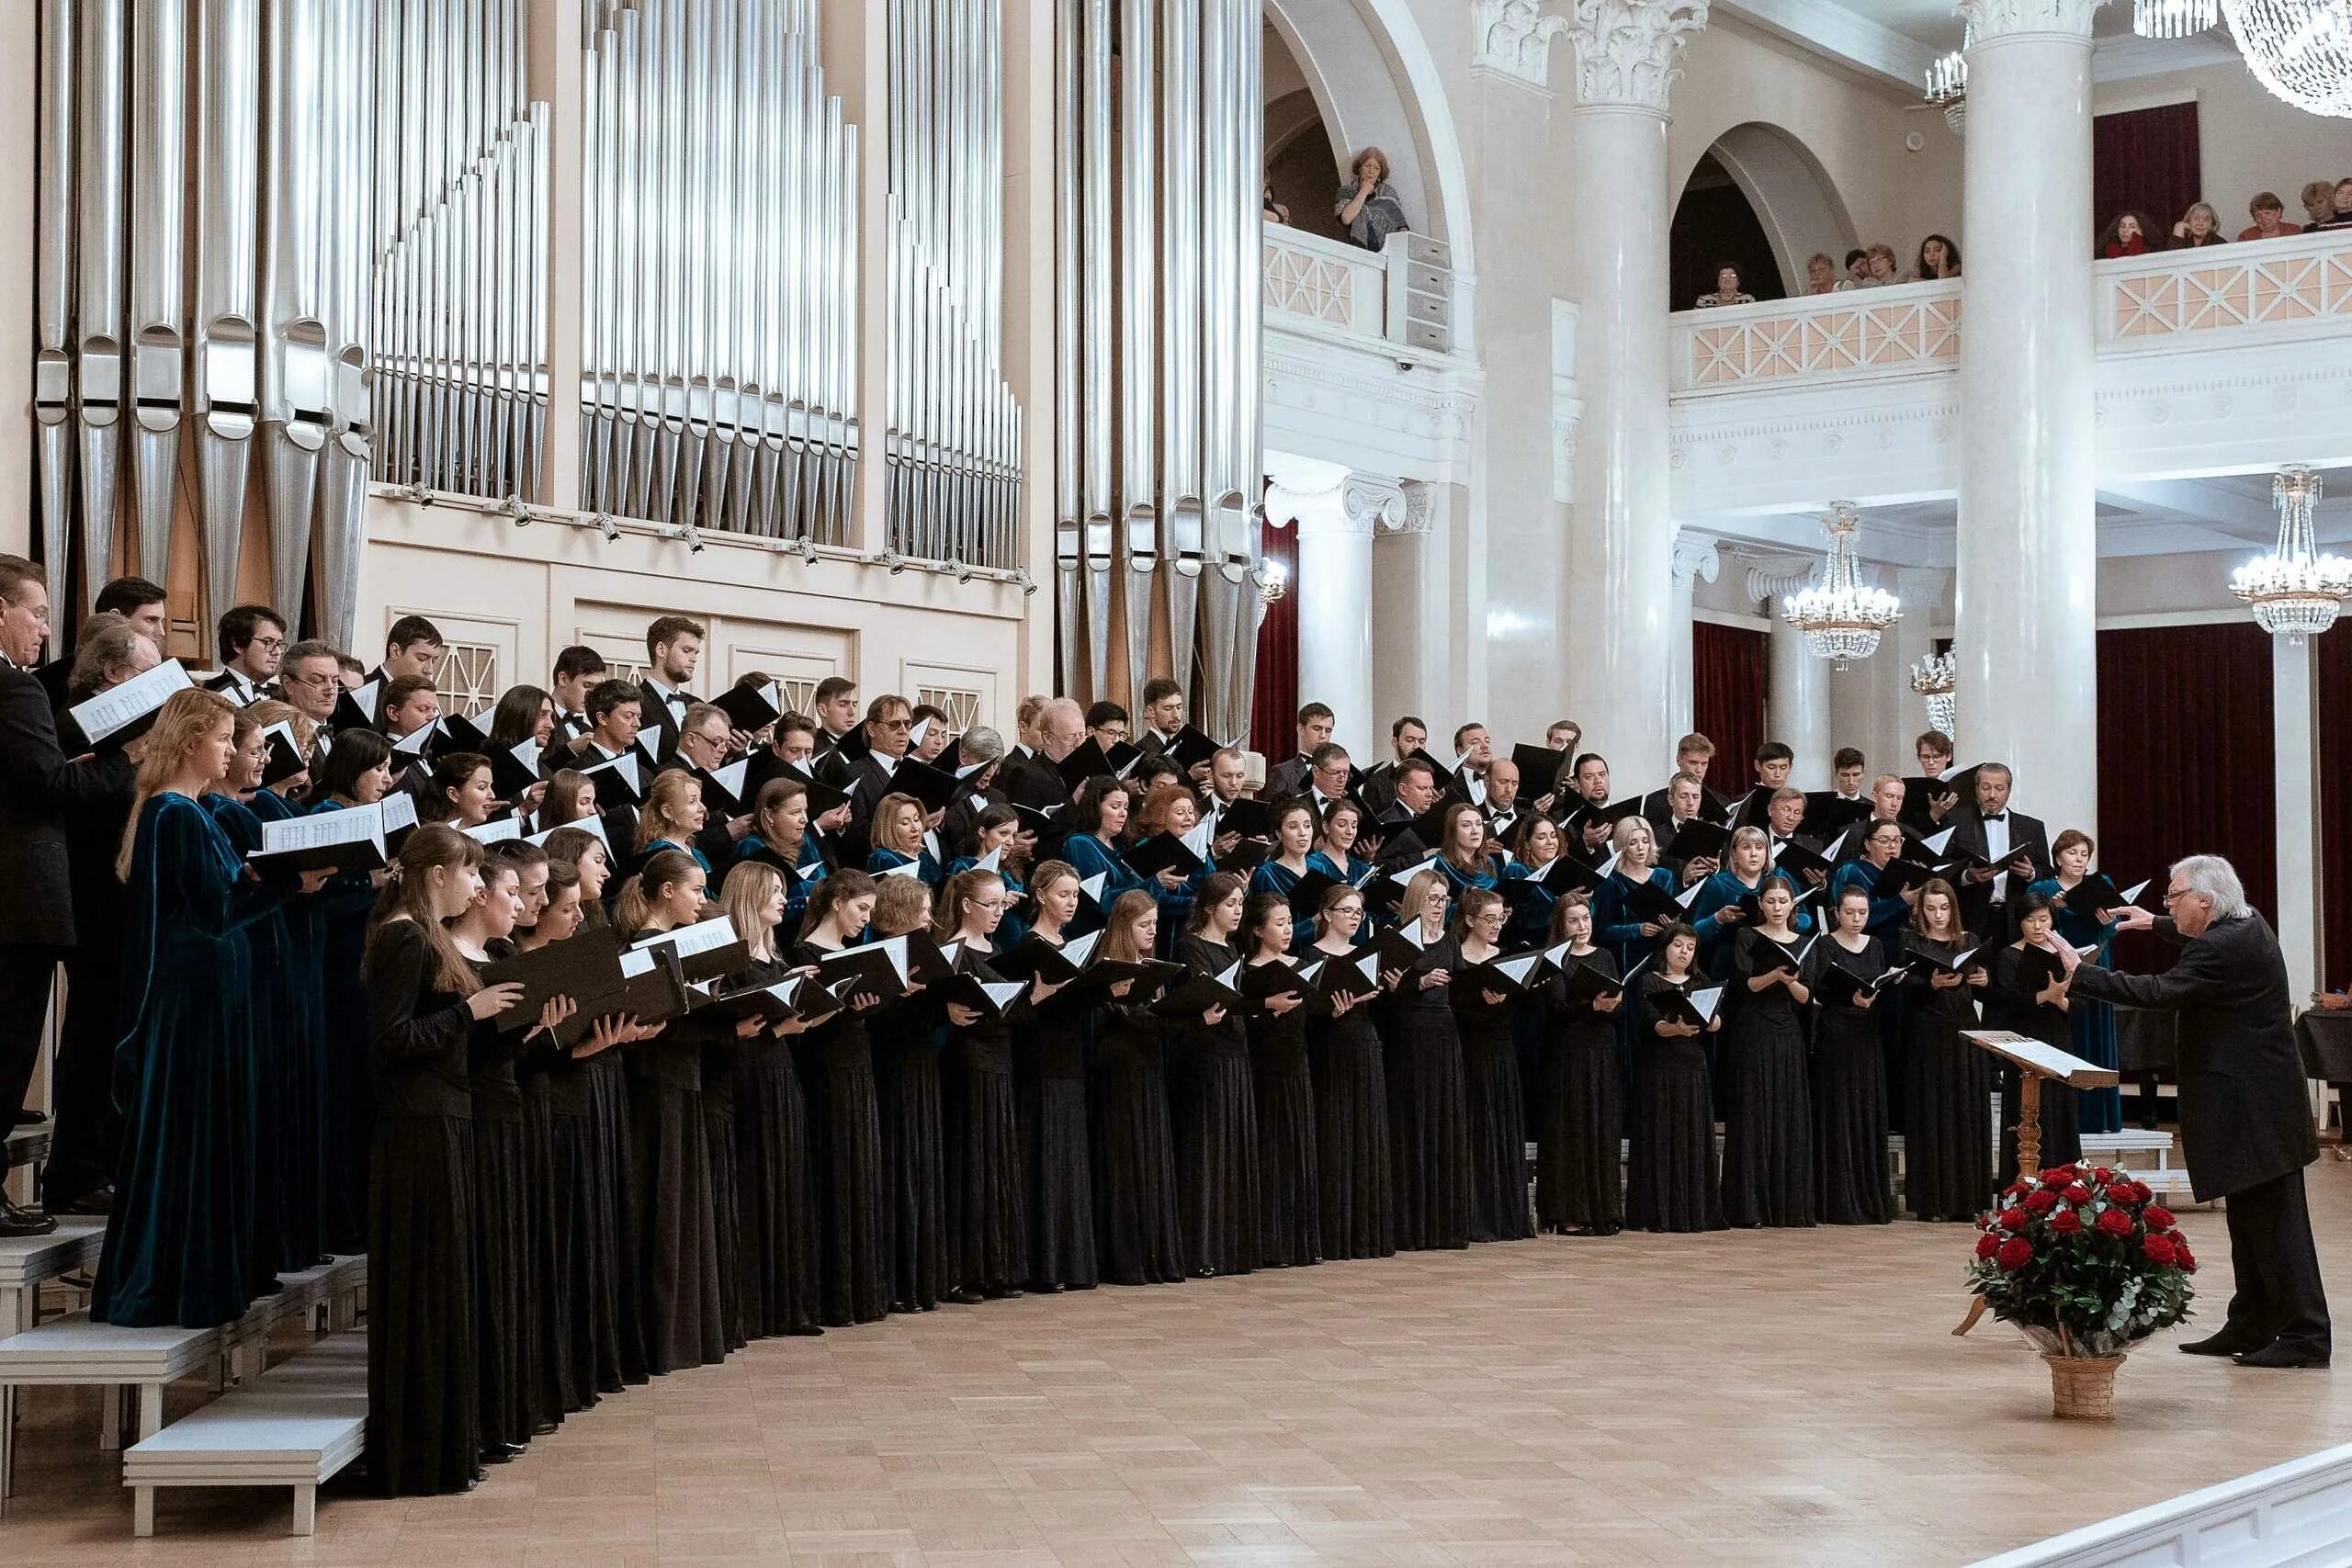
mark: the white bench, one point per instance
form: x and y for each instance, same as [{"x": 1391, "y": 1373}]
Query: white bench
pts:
[
  {"x": 295, "y": 1427},
  {"x": 25, "y": 1263},
  {"x": 2147, "y": 1156}
]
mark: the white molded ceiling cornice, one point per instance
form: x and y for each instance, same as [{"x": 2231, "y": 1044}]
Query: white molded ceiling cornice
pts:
[{"x": 1843, "y": 35}]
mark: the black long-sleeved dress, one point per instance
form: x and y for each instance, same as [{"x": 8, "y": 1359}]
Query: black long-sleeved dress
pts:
[
  {"x": 1061, "y": 1179},
  {"x": 1426, "y": 1106},
  {"x": 1290, "y": 1183},
  {"x": 719, "y": 1050},
  {"x": 678, "y": 1290},
  {"x": 1948, "y": 1147},
  {"x": 1671, "y": 1183},
  {"x": 1849, "y": 1094},
  {"x": 1578, "y": 1106},
  {"x": 505, "y": 1302},
  {"x": 987, "y": 1235},
  {"x": 1768, "y": 1175},
  {"x": 551, "y": 1380},
  {"x": 1498, "y": 1116},
  {"x": 851, "y": 1194},
  {"x": 1132, "y": 1143},
  {"x": 906, "y": 1098},
  {"x": 2009, "y": 1004},
  {"x": 775, "y": 1248},
  {"x": 1218, "y": 1202},
  {"x": 423, "y": 1398},
  {"x": 1352, "y": 1131},
  {"x": 620, "y": 1219}
]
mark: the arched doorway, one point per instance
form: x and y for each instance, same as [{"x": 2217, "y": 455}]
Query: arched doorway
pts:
[
  {"x": 1715, "y": 227},
  {"x": 1764, "y": 201}
]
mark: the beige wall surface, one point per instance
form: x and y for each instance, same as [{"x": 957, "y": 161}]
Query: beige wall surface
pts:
[{"x": 2249, "y": 140}]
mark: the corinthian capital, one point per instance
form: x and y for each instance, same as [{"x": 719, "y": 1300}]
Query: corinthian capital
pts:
[
  {"x": 1996, "y": 18},
  {"x": 1629, "y": 51},
  {"x": 1513, "y": 37}
]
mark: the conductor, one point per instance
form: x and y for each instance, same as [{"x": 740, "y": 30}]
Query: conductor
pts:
[{"x": 2244, "y": 1124}]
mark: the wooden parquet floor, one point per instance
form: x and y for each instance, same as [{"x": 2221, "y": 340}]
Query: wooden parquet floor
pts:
[{"x": 1758, "y": 1398}]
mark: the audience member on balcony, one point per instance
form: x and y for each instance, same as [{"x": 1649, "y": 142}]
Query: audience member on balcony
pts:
[
  {"x": 2199, "y": 227},
  {"x": 2340, "y": 215},
  {"x": 2127, "y": 235},
  {"x": 1821, "y": 274},
  {"x": 1369, "y": 207},
  {"x": 1939, "y": 258},
  {"x": 1858, "y": 267},
  {"x": 2269, "y": 215},
  {"x": 1879, "y": 259},
  {"x": 1727, "y": 289},
  {"x": 1274, "y": 212},
  {"x": 2319, "y": 204}
]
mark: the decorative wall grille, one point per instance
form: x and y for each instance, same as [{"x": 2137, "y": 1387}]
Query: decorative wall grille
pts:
[
  {"x": 962, "y": 707},
  {"x": 467, "y": 677}
]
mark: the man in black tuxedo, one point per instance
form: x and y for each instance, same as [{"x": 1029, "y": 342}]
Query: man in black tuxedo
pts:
[
  {"x": 889, "y": 719},
  {"x": 1417, "y": 791},
  {"x": 577, "y": 667},
  {"x": 39, "y": 785},
  {"x": 1286, "y": 779},
  {"x": 1501, "y": 808},
  {"x": 1407, "y": 736},
  {"x": 1693, "y": 755},
  {"x": 413, "y": 647},
  {"x": 249, "y": 643},
  {"x": 1035, "y": 781},
  {"x": 2015, "y": 846},
  {"x": 673, "y": 652},
  {"x": 982, "y": 749},
  {"x": 2244, "y": 1124}
]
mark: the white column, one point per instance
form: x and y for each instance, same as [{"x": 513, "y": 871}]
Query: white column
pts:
[
  {"x": 2026, "y": 595},
  {"x": 1797, "y": 682},
  {"x": 20, "y": 98},
  {"x": 1336, "y": 513},
  {"x": 2294, "y": 729},
  {"x": 1619, "y": 582},
  {"x": 1694, "y": 557}
]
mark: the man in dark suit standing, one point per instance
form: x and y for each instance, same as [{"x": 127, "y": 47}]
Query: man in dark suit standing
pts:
[
  {"x": 2014, "y": 847},
  {"x": 1286, "y": 779},
  {"x": 38, "y": 786},
  {"x": 1035, "y": 781},
  {"x": 2244, "y": 1124},
  {"x": 673, "y": 652}
]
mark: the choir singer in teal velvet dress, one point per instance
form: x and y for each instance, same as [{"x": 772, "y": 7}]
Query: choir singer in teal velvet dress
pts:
[{"x": 2090, "y": 1024}]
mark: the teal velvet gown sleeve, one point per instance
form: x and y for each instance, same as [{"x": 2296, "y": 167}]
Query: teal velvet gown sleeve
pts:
[{"x": 179, "y": 1242}]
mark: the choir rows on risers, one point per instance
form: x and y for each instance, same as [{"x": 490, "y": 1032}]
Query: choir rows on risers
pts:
[{"x": 1135, "y": 1024}]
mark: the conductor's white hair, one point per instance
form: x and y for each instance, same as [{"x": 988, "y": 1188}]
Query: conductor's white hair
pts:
[{"x": 2217, "y": 880}]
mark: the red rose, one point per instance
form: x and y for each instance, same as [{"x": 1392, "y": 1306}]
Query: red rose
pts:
[
  {"x": 2182, "y": 1256},
  {"x": 2077, "y": 1194},
  {"x": 1987, "y": 1245},
  {"x": 2016, "y": 1190},
  {"x": 2114, "y": 1221},
  {"x": 2142, "y": 1191},
  {"x": 2159, "y": 1218},
  {"x": 2016, "y": 1252},
  {"x": 2103, "y": 1174},
  {"x": 2066, "y": 1222},
  {"x": 2059, "y": 1175},
  {"x": 2014, "y": 1219},
  {"x": 2157, "y": 1248},
  {"x": 2040, "y": 1202}
]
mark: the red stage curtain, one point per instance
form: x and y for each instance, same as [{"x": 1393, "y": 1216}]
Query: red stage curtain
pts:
[
  {"x": 1727, "y": 696},
  {"x": 2147, "y": 161},
  {"x": 2336, "y": 806},
  {"x": 1273, "y": 709},
  {"x": 2184, "y": 758}
]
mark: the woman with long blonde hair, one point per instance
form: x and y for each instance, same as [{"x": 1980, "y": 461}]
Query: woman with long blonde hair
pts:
[
  {"x": 899, "y": 840},
  {"x": 1428, "y": 1097},
  {"x": 844, "y": 1125},
  {"x": 1058, "y": 1174},
  {"x": 673, "y": 815},
  {"x": 981, "y": 1155}
]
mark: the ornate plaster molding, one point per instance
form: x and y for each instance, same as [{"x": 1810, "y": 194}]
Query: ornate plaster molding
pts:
[
  {"x": 1513, "y": 38},
  {"x": 1629, "y": 53},
  {"x": 1695, "y": 556},
  {"x": 1989, "y": 19}
]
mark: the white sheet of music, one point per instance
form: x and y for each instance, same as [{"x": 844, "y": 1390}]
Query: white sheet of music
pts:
[
  {"x": 496, "y": 832},
  {"x": 399, "y": 810},
  {"x": 361, "y": 824},
  {"x": 703, "y": 936},
  {"x": 133, "y": 700},
  {"x": 2047, "y": 1060}
]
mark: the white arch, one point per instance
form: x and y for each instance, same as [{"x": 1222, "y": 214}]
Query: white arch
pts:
[
  {"x": 1794, "y": 197},
  {"x": 1375, "y": 80}
]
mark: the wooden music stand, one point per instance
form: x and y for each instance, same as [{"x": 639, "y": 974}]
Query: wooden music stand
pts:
[{"x": 2034, "y": 1062}]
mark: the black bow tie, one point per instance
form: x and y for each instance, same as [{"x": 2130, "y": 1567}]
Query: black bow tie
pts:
[{"x": 1993, "y": 816}]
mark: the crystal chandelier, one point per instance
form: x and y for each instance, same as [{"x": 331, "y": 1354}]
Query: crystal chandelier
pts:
[
  {"x": 1937, "y": 677},
  {"x": 2294, "y": 592},
  {"x": 1948, "y": 86},
  {"x": 2174, "y": 19},
  {"x": 1840, "y": 618},
  {"x": 2300, "y": 50}
]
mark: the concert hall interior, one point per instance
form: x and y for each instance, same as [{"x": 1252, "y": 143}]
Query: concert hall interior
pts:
[{"x": 763, "y": 799}]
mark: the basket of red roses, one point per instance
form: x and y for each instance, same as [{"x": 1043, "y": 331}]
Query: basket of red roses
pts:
[{"x": 2087, "y": 1265}]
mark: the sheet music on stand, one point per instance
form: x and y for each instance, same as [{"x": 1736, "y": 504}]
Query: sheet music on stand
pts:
[{"x": 2049, "y": 1062}]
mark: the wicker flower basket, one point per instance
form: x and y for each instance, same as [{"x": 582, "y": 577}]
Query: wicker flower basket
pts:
[{"x": 2082, "y": 1388}]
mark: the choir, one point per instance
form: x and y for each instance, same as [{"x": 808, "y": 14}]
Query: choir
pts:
[{"x": 621, "y": 1027}]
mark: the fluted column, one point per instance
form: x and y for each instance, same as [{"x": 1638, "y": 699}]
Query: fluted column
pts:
[
  {"x": 1619, "y": 585},
  {"x": 1335, "y": 512},
  {"x": 2026, "y": 608},
  {"x": 1693, "y": 558},
  {"x": 1797, "y": 682},
  {"x": 2302, "y": 911}
]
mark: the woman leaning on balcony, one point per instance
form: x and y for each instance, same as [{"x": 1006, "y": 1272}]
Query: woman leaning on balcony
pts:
[
  {"x": 2127, "y": 235},
  {"x": 1369, "y": 205},
  {"x": 1727, "y": 291},
  {"x": 2269, "y": 215},
  {"x": 1938, "y": 259},
  {"x": 2199, "y": 227}
]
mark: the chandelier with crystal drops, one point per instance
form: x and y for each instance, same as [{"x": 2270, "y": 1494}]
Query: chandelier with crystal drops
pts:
[
  {"x": 1937, "y": 677},
  {"x": 2174, "y": 19},
  {"x": 2294, "y": 592},
  {"x": 1948, "y": 86},
  {"x": 2300, "y": 50},
  {"x": 1841, "y": 619}
]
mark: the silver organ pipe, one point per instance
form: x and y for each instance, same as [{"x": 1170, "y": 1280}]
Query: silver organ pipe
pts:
[
  {"x": 952, "y": 452},
  {"x": 53, "y": 346},
  {"x": 158, "y": 251},
  {"x": 98, "y": 298},
  {"x": 1157, "y": 463}
]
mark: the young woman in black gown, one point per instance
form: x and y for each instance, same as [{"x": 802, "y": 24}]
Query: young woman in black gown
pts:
[
  {"x": 1498, "y": 1116},
  {"x": 1671, "y": 1184},
  {"x": 1849, "y": 1073},
  {"x": 1060, "y": 1180},
  {"x": 1948, "y": 1159},
  {"x": 1133, "y": 1153},
  {"x": 1579, "y": 1102},
  {"x": 844, "y": 1124},
  {"x": 355, "y": 773},
  {"x": 670, "y": 1142},
  {"x": 1217, "y": 1195},
  {"x": 424, "y": 1311},
  {"x": 1351, "y": 1129},
  {"x": 1767, "y": 1121},
  {"x": 1290, "y": 1192},
  {"x": 1426, "y": 1100},
  {"x": 2031, "y": 1001},
  {"x": 979, "y": 1128},
  {"x": 906, "y": 1096}
]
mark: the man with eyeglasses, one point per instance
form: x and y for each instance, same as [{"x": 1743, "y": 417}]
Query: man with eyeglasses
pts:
[
  {"x": 890, "y": 720},
  {"x": 251, "y": 642},
  {"x": 309, "y": 680},
  {"x": 2246, "y": 1126}
]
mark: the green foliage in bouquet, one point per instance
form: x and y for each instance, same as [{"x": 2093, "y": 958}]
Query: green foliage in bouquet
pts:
[{"x": 2083, "y": 1260}]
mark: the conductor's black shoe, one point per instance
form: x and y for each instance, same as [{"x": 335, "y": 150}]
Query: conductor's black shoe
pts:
[
  {"x": 94, "y": 1204},
  {"x": 2225, "y": 1343},
  {"x": 23, "y": 1222},
  {"x": 2281, "y": 1353}
]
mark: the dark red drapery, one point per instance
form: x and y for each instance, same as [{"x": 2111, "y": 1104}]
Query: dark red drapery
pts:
[
  {"x": 1727, "y": 696},
  {"x": 1274, "y": 708},
  {"x": 2185, "y": 761},
  {"x": 2336, "y": 806},
  {"x": 2147, "y": 161}
]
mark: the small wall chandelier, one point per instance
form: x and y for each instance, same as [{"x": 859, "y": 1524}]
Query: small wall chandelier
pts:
[
  {"x": 1937, "y": 677},
  {"x": 2294, "y": 592},
  {"x": 2300, "y": 50},
  {"x": 1841, "y": 619},
  {"x": 2174, "y": 19},
  {"x": 1947, "y": 82}
]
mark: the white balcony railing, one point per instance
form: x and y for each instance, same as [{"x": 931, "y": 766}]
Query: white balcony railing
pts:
[
  {"x": 2271, "y": 284},
  {"x": 1902, "y": 327},
  {"x": 1402, "y": 295}
]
